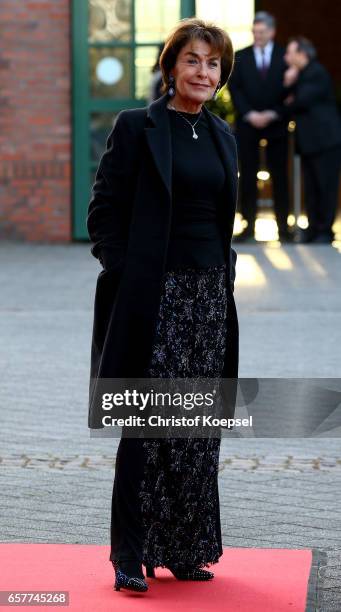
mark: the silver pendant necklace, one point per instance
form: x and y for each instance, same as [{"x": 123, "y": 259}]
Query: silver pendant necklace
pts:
[{"x": 194, "y": 134}]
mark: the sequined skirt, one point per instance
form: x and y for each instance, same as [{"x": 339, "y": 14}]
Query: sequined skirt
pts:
[{"x": 179, "y": 490}]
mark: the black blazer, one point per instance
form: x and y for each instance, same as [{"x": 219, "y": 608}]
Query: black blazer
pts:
[
  {"x": 250, "y": 91},
  {"x": 128, "y": 221},
  {"x": 318, "y": 123}
]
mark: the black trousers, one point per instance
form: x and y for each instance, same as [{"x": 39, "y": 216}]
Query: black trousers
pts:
[
  {"x": 321, "y": 173},
  {"x": 277, "y": 159},
  {"x": 126, "y": 506}
]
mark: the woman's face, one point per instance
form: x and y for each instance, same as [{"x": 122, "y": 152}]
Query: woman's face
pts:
[{"x": 196, "y": 72}]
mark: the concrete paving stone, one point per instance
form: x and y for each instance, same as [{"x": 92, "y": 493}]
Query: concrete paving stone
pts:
[{"x": 56, "y": 481}]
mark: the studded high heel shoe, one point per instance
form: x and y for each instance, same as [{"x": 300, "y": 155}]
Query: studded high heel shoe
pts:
[
  {"x": 183, "y": 573},
  {"x": 128, "y": 582}
]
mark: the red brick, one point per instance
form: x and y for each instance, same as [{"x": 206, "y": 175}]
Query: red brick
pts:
[{"x": 35, "y": 132}]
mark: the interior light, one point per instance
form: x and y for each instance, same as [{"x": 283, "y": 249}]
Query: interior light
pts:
[{"x": 263, "y": 175}]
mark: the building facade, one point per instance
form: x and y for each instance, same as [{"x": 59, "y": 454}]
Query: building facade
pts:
[{"x": 67, "y": 67}]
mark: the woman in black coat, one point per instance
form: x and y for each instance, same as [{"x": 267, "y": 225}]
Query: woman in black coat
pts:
[{"x": 161, "y": 219}]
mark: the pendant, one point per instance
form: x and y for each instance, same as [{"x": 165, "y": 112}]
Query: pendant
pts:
[{"x": 195, "y": 135}]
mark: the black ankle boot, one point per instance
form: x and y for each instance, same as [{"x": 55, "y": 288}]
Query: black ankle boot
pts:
[
  {"x": 129, "y": 576},
  {"x": 181, "y": 572},
  {"x": 132, "y": 568}
]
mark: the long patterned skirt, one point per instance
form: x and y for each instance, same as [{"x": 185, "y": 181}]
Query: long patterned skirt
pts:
[{"x": 165, "y": 506}]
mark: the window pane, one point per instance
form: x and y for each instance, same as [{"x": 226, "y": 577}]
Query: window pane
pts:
[
  {"x": 154, "y": 20},
  {"x": 110, "y": 72},
  {"x": 144, "y": 61},
  {"x": 235, "y": 17},
  {"x": 110, "y": 20},
  {"x": 100, "y": 127}
]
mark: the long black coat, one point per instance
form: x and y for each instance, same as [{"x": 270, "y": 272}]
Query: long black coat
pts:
[
  {"x": 129, "y": 223},
  {"x": 318, "y": 123},
  {"x": 250, "y": 91}
]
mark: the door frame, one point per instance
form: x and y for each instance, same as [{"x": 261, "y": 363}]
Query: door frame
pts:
[{"x": 83, "y": 105}]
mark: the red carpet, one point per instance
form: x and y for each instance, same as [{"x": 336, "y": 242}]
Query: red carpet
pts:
[{"x": 246, "y": 580}]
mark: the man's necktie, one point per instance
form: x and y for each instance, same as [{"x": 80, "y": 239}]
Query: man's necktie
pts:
[{"x": 263, "y": 66}]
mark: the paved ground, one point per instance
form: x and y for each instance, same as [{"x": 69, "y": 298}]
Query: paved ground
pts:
[{"x": 56, "y": 482}]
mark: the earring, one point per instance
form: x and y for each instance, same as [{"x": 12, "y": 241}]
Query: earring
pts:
[
  {"x": 171, "y": 88},
  {"x": 215, "y": 95}
]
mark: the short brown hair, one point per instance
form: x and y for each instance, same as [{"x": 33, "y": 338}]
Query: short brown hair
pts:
[{"x": 194, "y": 29}]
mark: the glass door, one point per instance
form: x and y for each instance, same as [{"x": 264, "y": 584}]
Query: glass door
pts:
[{"x": 115, "y": 44}]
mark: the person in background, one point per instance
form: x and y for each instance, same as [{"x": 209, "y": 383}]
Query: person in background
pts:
[
  {"x": 318, "y": 136},
  {"x": 156, "y": 81},
  {"x": 257, "y": 92}
]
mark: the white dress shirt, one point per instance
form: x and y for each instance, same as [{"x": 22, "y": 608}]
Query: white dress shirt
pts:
[{"x": 267, "y": 54}]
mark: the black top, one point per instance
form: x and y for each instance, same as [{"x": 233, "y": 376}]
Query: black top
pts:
[{"x": 198, "y": 178}]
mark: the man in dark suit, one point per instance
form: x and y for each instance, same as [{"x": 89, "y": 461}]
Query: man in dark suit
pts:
[
  {"x": 318, "y": 137},
  {"x": 258, "y": 92}
]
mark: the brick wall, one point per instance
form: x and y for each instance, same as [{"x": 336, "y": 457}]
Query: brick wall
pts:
[{"x": 35, "y": 121}]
